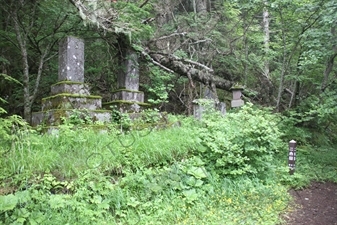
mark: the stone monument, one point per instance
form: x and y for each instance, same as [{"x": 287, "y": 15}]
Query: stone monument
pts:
[
  {"x": 237, "y": 93},
  {"x": 127, "y": 98},
  {"x": 209, "y": 102},
  {"x": 70, "y": 92}
]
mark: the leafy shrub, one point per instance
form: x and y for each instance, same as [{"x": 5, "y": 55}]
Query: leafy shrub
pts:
[
  {"x": 243, "y": 142},
  {"x": 160, "y": 176},
  {"x": 13, "y": 130},
  {"x": 314, "y": 121}
]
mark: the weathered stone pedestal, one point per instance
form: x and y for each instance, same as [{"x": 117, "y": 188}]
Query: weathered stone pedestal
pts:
[
  {"x": 70, "y": 93},
  {"x": 237, "y": 93},
  {"x": 127, "y": 98},
  {"x": 203, "y": 105}
]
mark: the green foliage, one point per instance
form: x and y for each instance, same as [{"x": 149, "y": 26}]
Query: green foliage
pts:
[
  {"x": 181, "y": 54},
  {"x": 7, "y": 79},
  {"x": 121, "y": 119},
  {"x": 129, "y": 21},
  {"x": 145, "y": 197},
  {"x": 243, "y": 142},
  {"x": 187, "y": 174},
  {"x": 313, "y": 122},
  {"x": 88, "y": 201},
  {"x": 78, "y": 117},
  {"x": 292, "y": 131},
  {"x": 313, "y": 163},
  {"x": 13, "y": 132},
  {"x": 160, "y": 85}
]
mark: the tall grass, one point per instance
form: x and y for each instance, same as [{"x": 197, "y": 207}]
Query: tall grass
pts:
[
  {"x": 149, "y": 176},
  {"x": 70, "y": 151}
]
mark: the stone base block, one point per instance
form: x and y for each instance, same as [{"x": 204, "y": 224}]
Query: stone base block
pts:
[
  {"x": 71, "y": 88},
  {"x": 128, "y": 95},
  {"x": 54, "y": 117},
  {"x": 69, "y": 101},
  {"x": 203, "y": 105},
  {"x": 237, "y": 103},
  {"x": 126, "y": 106},
  {"x": 54, "y": 130}
]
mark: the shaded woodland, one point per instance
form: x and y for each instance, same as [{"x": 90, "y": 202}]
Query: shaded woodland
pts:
[{"x": 282, "y": 52}]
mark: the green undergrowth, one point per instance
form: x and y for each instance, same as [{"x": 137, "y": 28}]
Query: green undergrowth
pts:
[{"x": 220, "y": 170}]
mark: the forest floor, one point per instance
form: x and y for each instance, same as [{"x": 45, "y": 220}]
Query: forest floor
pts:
[{"x": 314, "y": 205}]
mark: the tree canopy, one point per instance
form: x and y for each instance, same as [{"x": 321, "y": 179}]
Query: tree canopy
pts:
[{"x": 281, "y": 51}]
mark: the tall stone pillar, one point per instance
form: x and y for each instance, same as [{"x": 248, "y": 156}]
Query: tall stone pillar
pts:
[
  {"x": 70, "y": 92},
  {"x": 71, "y": 60},
  {"x": 127, "y": 97},
  {"x": 128, "y": 78}
]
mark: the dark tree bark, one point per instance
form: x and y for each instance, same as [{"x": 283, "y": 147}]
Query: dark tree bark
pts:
[
  {"x": 186, "y": 68},
  {"x": 330, "y": 62}
]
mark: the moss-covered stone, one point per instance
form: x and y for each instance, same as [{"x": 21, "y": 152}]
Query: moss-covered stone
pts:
[
  {"x": 70, "y": 101},
  {"x": 72, "y": 95},
  {"x": 68, "y": 82},
  {"x": 79, "y": 110},
  {"x": 127, "y": 90},
  {"x": 126, "y": 102},
  {"x": 70, "y": 88},
  {"x": 94, "y": 127},
  {"x": 237, "y": 87},
  {"x": 127, "y": 95},
  {"x": 54, "y": 116},
  {"x": 127, "y": 106}
]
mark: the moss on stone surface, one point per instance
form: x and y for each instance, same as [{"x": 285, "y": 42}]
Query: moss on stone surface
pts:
[
  {"x": 73, "y": 96},
  {"x": 126, "y": 102},
  {"x": 94, "y": 127},
  {"x": 53, "y": 117},
  {"x": 78, "y": 110},
  {"x": 237, "y": 87},
  {"x": 127, "y": 90},
  {"x": 68, "y": 82}
]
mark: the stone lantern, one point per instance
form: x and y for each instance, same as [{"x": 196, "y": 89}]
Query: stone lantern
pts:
[{"x": 237, "y": 93}]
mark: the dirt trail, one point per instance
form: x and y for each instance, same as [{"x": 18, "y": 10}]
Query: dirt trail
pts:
[{"x": 315, "y": 205}]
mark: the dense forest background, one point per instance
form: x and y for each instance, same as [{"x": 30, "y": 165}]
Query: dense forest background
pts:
[
  {"x": 283, "y": 52},
  {"x": 170, "y": 168}
]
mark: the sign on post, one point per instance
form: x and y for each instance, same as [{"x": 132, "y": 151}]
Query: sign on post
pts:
[{"x": 292, "y": 156}]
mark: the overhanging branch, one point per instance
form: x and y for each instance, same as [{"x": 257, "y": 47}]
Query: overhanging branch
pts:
[{"x": 187, "y": 68}]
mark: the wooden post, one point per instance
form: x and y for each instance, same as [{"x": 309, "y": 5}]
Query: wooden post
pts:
[{"x": 292, "y": 156}]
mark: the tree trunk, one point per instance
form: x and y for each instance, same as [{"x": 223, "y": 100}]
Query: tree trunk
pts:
[
  {"x": 21, "y": 38},
  {"x": 201, "y": 6},
  {"x": 184, "y": 67},
  {"x": 284, "y": 67},
  {"x": 330, "y": 62},
  {"x": 327, "y": 71},
  {"x": 297, "y": 93},
  {"x": 266, "y": 40},
  {"x": 22, "y": 32},
  {"x": 280, "y": 90}
]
